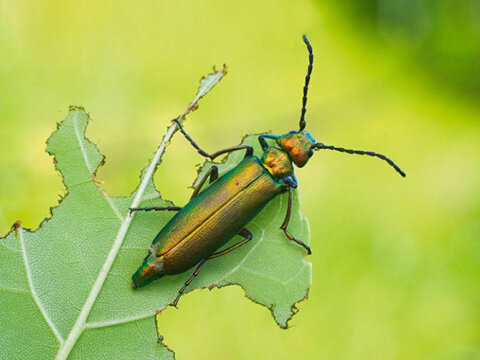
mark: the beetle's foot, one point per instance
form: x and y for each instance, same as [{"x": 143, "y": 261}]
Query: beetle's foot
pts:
[
  {"x": 174, "y": 303},
  {"x": 305, "y": 246},
  {"x": 301, "y": 243},
  {"x": 131, "y": 211}
]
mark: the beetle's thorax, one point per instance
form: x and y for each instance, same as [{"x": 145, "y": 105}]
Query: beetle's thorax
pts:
[{"x": 277, "y": 162}]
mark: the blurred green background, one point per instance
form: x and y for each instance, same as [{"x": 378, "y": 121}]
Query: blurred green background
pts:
[{"x": 396, "y": 262}]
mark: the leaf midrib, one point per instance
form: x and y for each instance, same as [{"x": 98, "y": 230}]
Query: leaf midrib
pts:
[{"x": 80, "y": 323}]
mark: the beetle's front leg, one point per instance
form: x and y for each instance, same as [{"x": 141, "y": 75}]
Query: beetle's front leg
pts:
[
  {"x": 190, "y": 140},
  {"x": 287, "y": 220},
  {"x": 263, "y": 142},
  {"x": 202, "y": 152}
]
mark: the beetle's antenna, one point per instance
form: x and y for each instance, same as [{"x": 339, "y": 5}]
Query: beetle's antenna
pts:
[
  {"x": 307, "y": 80},
  {"x": 320, "y": 146}
]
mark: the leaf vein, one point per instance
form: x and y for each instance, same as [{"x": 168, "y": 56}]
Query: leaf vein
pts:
[
  {"x": 113, "y": 207},
  {"x": 265, "y": 276},
  {"x": 80, "y": 142},
  {"x": 119, "y": 321},
  {"x": 35, "y": 297},
  {"x": 14, "y": 290}
]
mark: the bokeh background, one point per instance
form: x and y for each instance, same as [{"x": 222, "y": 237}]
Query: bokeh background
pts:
[{"x": 396, "y": 262}]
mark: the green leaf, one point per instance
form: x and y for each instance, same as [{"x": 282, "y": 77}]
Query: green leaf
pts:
[
  {"x": 207, "y": 83},
  {"x": 65, "y": 289}
]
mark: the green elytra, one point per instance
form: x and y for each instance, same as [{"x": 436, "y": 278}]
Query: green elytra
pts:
[{"x": 224, "y": 209}]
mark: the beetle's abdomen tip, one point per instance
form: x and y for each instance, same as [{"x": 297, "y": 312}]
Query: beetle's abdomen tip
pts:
[{"x": 134, "y": 286}]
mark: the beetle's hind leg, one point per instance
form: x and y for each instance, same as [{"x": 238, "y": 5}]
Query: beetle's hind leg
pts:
[
  {"x": 287, "y": 220},
  {"x": 156, "y": 208},
  {"x": 189, "y": 280},
  {"x": 245, "y": 233}
]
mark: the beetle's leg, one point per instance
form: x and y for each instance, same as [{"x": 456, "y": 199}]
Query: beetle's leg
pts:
[
  {"x": 156, "y": 208},
  {"x": 212, "y": 173},
  {"x": 202, "y": 152},
  {"x": 291, "y": 181},
  {"x": 263, "y": 142},
  {"x": 190, "y": 140},
  {"x": 244, "y": 233},
  {"x": 248, "y": 153},
  {"x": 287, "y": 220},
  {"x": 190, "y": 279}
]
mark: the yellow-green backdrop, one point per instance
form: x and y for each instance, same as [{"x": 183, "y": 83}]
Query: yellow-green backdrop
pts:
[{"x": 396, "y": 262}]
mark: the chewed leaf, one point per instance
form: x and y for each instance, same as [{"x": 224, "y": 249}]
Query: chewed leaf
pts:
[
  {"x": 47, "y": 276},
  {"x": 65, "y": 289}
]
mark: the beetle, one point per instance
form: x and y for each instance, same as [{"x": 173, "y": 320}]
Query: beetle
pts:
[{"x": 224, "y": 209}]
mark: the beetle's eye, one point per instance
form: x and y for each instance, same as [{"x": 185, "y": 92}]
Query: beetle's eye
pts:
[
  {"x": 310, "y": 152},
  {"x": 292, "y": 132}
]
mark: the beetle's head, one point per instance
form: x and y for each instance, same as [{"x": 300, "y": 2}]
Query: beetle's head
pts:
[
  {"x": 299, "y": 145},
  {"x": 151, "y": 269}
]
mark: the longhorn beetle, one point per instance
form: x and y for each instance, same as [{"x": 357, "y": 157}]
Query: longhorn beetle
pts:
[{"x": 230, "y": 202}]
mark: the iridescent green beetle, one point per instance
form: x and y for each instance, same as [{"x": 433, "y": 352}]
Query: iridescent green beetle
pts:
[{"x": 224, "y": 209}]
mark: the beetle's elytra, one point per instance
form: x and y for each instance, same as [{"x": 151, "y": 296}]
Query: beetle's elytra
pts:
[{"x": 224, "y": 209}]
